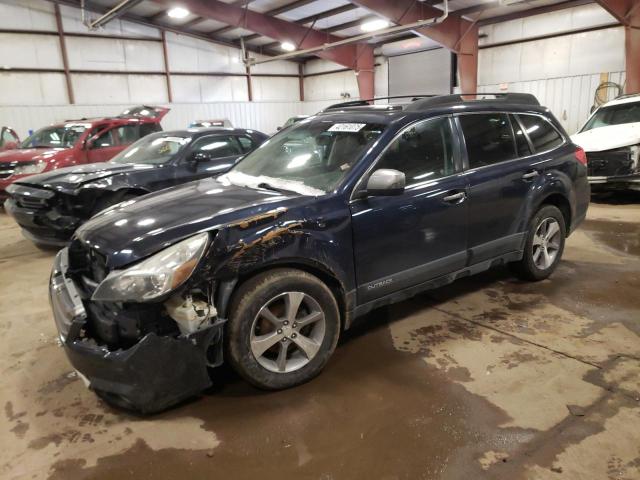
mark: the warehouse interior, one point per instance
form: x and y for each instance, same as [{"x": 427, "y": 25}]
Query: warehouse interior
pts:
[{"x": 489, "y": 377}]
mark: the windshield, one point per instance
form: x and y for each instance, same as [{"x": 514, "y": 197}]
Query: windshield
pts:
[
  {"x": 311, "y": 158},
  {"x": 153, "y": 149},
  {"x": 55, "y": 137},
  {"x": 614, "y": 115}
]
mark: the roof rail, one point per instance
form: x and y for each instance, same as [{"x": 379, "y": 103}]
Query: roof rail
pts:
[
  {"x": 362, "y": 103},
  {"x": 517, "y": 98}
]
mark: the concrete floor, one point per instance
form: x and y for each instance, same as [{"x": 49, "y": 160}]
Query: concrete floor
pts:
[{"x": 487, "y": 378}]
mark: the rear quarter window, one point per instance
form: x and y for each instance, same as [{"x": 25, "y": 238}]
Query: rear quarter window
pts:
[{"x": 541, "y": 133}]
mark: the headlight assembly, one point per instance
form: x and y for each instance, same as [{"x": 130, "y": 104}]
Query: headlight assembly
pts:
[
  {"x": 155, "y": 276},
  {"x": 30, "y": 168}
]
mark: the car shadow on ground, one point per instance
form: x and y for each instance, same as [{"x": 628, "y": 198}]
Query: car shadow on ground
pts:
[{"x": 624, "y": 197}]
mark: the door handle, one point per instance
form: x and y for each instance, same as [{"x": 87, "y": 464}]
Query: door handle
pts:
[
  {"x": 455, "y": 197},
  {"x": 530, "y": 175}
]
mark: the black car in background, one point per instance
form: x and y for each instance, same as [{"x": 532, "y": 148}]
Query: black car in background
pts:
[{"x": 49, "y": 207}]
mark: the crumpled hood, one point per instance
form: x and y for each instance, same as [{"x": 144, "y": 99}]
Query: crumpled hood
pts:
[
  {"x": 70, "y": 178},
  {"x": 608, "y": 138},
  {"x": 33, "y": 155},
  {"x": 140, "y": 227}
]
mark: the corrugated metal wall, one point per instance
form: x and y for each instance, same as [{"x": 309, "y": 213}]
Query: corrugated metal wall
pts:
[{"x": 569, "y": 98}]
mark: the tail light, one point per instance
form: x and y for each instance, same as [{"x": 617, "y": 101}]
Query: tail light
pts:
[{"x": 581, "y": 156}]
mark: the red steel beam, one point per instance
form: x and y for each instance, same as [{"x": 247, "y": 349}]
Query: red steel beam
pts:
[
  {"x": 63, "y": 52},
  {"x": 627, "y": 12},
  {"x": 454, "y": 33},
  {"x": 356, "y": 57}
]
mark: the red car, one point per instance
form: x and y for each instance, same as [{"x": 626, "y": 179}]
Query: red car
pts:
[
  {"x": 8, "y": 138},
  {"x": 76, "y": 142}
]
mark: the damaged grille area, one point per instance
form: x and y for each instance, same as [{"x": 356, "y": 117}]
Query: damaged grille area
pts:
[
  {"x": 32, "y": 198},
  {"x": 6, "y": 169},
  {"x": 610, "y": 163},
  {"x": 114, "y": 325}
]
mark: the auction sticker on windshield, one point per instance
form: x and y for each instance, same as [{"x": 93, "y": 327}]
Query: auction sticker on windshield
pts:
[{"x": 346, "y": 127}]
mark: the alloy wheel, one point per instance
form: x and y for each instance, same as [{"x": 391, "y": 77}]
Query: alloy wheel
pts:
[
  {"x": 287, "y": 332},
  {"x": 546, "y": 243}
]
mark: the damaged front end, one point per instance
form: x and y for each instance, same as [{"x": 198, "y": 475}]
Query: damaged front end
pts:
[
  {"x": 45, "y": 216},
  {"x": 140, "y": 355},
  {"x": 615, "y": 169}
]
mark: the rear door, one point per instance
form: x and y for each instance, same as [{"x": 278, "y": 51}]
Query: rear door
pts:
[
  {"x": 501, "y": 172},
  {"x": 403, "y": 240}
]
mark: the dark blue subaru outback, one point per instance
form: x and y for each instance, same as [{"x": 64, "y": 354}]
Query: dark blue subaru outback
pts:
[{"x": 351, "y": 209}]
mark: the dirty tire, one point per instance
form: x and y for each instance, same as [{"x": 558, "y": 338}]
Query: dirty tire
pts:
[
  {"x": 527, "y": 269},
  {"x": 245, "y": 306}
]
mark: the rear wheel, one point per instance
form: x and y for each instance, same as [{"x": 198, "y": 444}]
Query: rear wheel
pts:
[
  {"x": 284, "y": 326},
  {"x": 544, "y": 246}
]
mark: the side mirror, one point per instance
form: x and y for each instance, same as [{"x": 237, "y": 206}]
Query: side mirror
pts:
[
  {"x": 385, "y": 181},
  {"x": 197, "y": 157}
]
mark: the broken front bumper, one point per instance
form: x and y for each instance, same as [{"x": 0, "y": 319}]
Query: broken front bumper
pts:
[
  {"x": 39, "y": 222},
  {"x": 154, "y": 374},
  {"x": 619, "y": 182}
]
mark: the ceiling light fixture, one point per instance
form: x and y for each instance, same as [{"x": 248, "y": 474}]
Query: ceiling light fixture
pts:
[
  {"x": 373, "y": 25},
  {"x": 178, "y": 12},
  {"x": 287, "y": 46}
]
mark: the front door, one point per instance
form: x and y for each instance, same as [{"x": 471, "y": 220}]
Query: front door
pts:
[
  {"x": 209, "y": 156},
  {"x": 404, "y": 240},
  {"x": 104, "y": 147}
]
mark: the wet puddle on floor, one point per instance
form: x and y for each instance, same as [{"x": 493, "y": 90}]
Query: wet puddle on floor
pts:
[{"x": 621, "y": 236}]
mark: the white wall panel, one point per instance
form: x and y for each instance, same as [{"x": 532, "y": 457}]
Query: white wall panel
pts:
[
  {"x": 330, "y": 86},
  {"x": 109, "y": 54},
  {"x": 195, "y": 89},
  {"x": 275, "y": 88},
  {"x": 570, "y": 55},
  {"x": 381, "y": 77},
  {"x": 91, "y": 89},
  {"x": 32, "y": 89},
  {"x": 427, "y": 72},
  {"x": 27, "y": 15},
  {"x": 29, "y": 51},
  {"x": 72, "y": 22},
  {"x": 550, "y": 23},
  {"x": 278, "y": 67},
  {"x": 187, "y": 54},
  {"x": 320, "y": 65}
]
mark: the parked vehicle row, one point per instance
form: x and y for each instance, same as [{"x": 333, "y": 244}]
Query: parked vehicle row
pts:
[
  {"x": 50, "y": 206},
  {"x": 265, "y": 265},
  {"x": 77, "y": 142}
]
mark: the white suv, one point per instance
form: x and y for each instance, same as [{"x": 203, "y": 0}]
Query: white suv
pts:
[{"x": 611, "y": 139}]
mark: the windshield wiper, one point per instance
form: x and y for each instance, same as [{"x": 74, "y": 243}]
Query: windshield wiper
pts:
[{"x": 268, "y": 186}]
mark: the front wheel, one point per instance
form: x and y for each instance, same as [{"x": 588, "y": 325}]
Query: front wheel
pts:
[
  {"x": 284, "y": 326},
  {"x": 544, "y": 246}
]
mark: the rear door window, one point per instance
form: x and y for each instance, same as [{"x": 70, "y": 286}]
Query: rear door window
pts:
[
  {"x": 127, "y": 134},
  {"x": 246, "y": 143},
  {"x": 542, "y": 134},
  {"x": 489, "y": 138}
]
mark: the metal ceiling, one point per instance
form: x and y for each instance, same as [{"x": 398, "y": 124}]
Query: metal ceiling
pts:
[{"x": 336, "y": 17}]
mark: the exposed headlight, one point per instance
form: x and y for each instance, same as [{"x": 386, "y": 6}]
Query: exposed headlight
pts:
[
  {"x": 30, "y": 168},
  {"x": 155, "y": 276}
]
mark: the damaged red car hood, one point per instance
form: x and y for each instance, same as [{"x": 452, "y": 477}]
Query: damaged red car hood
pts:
[{"x": 32, "y": 155}]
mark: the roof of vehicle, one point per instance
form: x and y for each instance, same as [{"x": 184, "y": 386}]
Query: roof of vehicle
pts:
[
  {"x": 385, "y": 113},
  {"x": 631, "y": 98}
]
